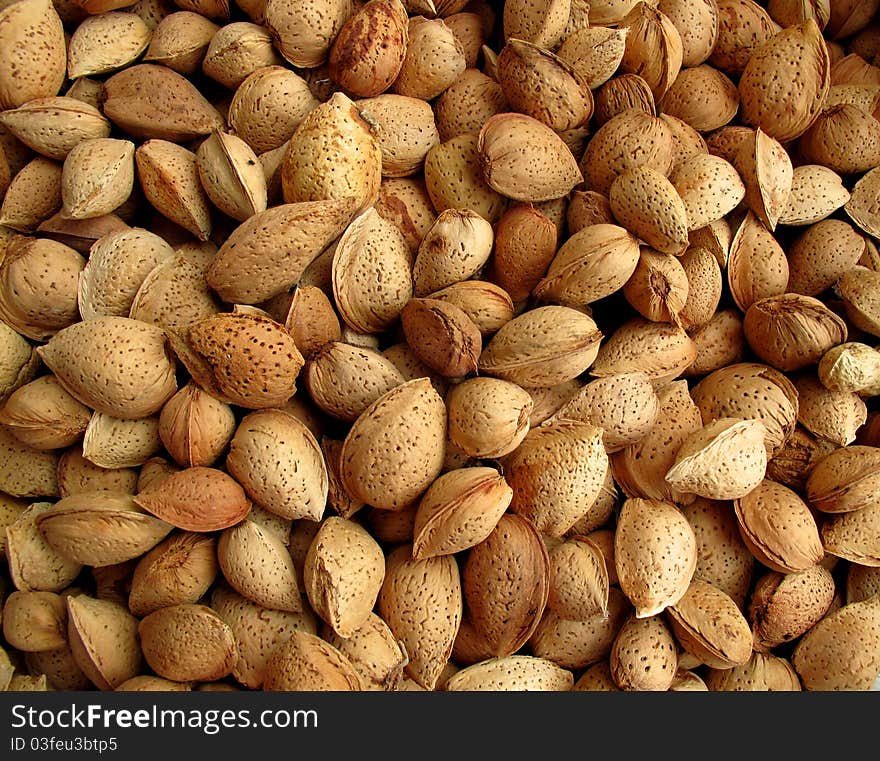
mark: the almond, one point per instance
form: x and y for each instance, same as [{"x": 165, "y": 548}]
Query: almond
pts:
[
  {"x": 169, "y": 176},
  {"x": 176, "y": 571},
  {"x": 333, "y": 135},
  {"x": 710, "y": 188},
  {"x": 505, "y": 580},
  {"x": 369, "y": 51},
  {"x": 643, "y": 656},
  {"x": 594, "y": 52},
  {"x": 722, "y": 558},
  {"x": 404, "y": 129},
  {"x": 578, "y": 644},
  {"x": 103, "y": 638},
  {"x": 85, "y": 357},
  {"x": 851, "y": 366},
  {"x": 516, "y": 152},
  {"x": 42, "y": 415},
  {"x": 343, "y": 573},
  {"x": 648, "y": 528},
  {"x": 454, "y": 178},
  {"x": 293, "y": 488},
  {"x": 791, "y": 331},
  {"x": 217, "y": 352},
  {"x": 542, "y": 347},
  {"x": 237, "y": 50},
  {"x": 816, "y": 192},
  {"x": 757, "y": 267},
  {"x": 840, "y": 652},
  {"x": 180, "y": 41},
  {"x": 624, "y": 93},
  {"x": 488, "y": 306},
  {"x": 858, "y": 288},
  {"x": 632, "y": 138},
  {"x": 543, "y": 86},
  {"x": 107, "y": 42},
  {"x": 196, "y": 499},
  {"x": 37, "y": 283},
  {"x": 459, "y": 510},
  {"x": 853, "y": 536},
  {"x": 35, "y": 621},
  {"x": 33, "y": 196},
  {"x": 258, "y": 632},
  {"x": 761, "y": 673},
  {"x": 784, "y": 607},
  {"x": 720, "y": 342},
  {"x": 231, "y": 176},
  {"x": 844, "y": 480},
  {"x": 306, "y": 662},
  {"x": 380, "y": 467},
  {"x": 366, "y": 303},
  {"x": 578, "y": 585},
  {"x": 845, "y": 138},
  {"x": 778, "y": 528},
  {"x": 625, "y": 406},
  {"x": 434, "y": 59},
  {"x": 76, "y": 475},
  {"x": 488, "y": 417},
  {"x": 29, "y": 32},
  {"x": 543, "y": 22},
  {"x": 153, "y": 102},
  {"x": 861, "y": 583},
  {"x": 194, "y": 427},
  {"x": 513, "y": 673},
  {"x": 653, "y": 48},
  {"x": 304, "y": 33},
  {"x": 832, "y": 415},
  {"x": 188, "y": 643},
  {"x": 658, "y": 289},
  {"x": 257, "y": 564},
  {"x": 646, "y": 204},
  {"x": 725, "y": 459},
  {"x": 54, "y": 126},
  {"x": 421, "y": 601},
  {"x": 702, "y": 97},
  {"x": 112, "y": 442},
  {"x": 20, "y": 361},
  {"x": 442, "y": 336},
  {"x": 708, "y": 625},
  {"x": 697, "y": 24},
  {"x": 797, "y": 57},
  {"x": 468, "y": 102}
]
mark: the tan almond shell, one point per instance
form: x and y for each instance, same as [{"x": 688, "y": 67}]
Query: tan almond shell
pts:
[
  {"x": 816, "y": 192},
  {"x": 344, "y": 380},
  {"x": 725, "y": 459},
  {"x": 35, "y": 621},
  {"x": 784, "y": 84},
  {"x": 257, "y": 564},
  {"x": 305, "y": 32},
  {"x": 180, "y": 41},
  {"x": 488, "y": 417},
  {"x": 505, "y": 580},
  {"x": 644, "y": 655},
  {"x": 710, "y": 188},
  {"x": 658, "y": 288},
  {"x": 434, "y": 59},
  {"x": 290, "y": 477},
  {"x": 178, "y": 570},
  {"x": 103, "y": 638},
  {"x": 597, "y": 678},
  {"x": 543, "y": 347},
  {"x": 196, "y": 499},
  {"x": 459, "y": 510},
  {"x": 650, "y": 528},
  {"x": 343, "y": 573},
  {"x": 374, "y": 652},
  {"x": 767, "y": 172},
  {"x": 579, "y": 581},
  {"x": 332, "y": 136},
  {"x": 853, "y": 536},
  {"x": 75, "y": 474},
  {"x": 513, "y": 673},
  {"x": 30, "y": 32},
  {"x": 106, "y": 42},
  {"x": 841, "y": 652},
  {"x": 783, "y": 607},
  {"x": 217, "y": 352},
  {"x": 835, "y": 416},
  {"x": 778, "y": 528},
  {"x": 366, "y": 303},
  {"x": 844, "y": 480},
  {"x": 42, "y": 415},
  {"x": 421, "y": 601},
  {"x": 761, "y": 673},
  {"x": 556, "y": 474},
  {"x": 188, "y": 642},
  {"x": 53, "y": 126},
  {"x": 578, "y": 644},
  {"x": 59, "y": 667},
  {"x": 26, "y": 472},
  {"x": 153, "y": 102},
  {"x": 113, "y": 442},
  {"x": 307, "y": 662},
  {"x": 653, "y": 48},
  {"x": 195, "y": 427},
  {"x": 702, "y": 97},
  {"x": 594, "y": 52},
  {"x": 858, "y": 288},
  {"x": 488, "y": 306},
  {"x": 100, "y": 528},
  {"x": 395, "y": 449},
  {"x": 861, "y": 206},
  {"x": 757, "y": 267},
  {"x": 33, "y": 196},
  {"x": 543, "y": 22},
  {"x": 258, "y": 632},
  {"x": 640, "y": 469},
  {"x": 862, "y": 583},
  {"x": 523, "y": 159},
  {"x": 232, "y": 176},
  {"x": 647, "y": 204},
  {"x": 709, "y": 625},
  {"x": 622, "y": 93}
]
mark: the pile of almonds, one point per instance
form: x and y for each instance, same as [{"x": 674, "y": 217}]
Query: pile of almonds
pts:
[{"x": 440, "y": 344}]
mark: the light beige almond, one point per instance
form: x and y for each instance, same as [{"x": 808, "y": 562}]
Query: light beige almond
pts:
[
  {"x": 76, "y": 474},
  {"x": 404, "y": 129},
  {"x": 35, "y": 622},
  {"x": 578, "y": 585},
  {"x": 180, "y": 41},
  {"x": 194, "y": 427},
  {"x": 710, "y": 188},
  {"x": 655, "y": 554},
  {"x": 594, "y": 52},
  {"x": 237, "y": 50},
  {"x": 187, "y": 643},
  {"x": 543, "y": 22},
  {"x": 647, "y": 204},
  {"x": 644, "y": 655},
  {"x": 106, "y": 42},
  {"x": 514, "y": 673},
  {"x": 42, "y": 415},
  {"x": 104, "y": 641},
  {"x": 307, "y": 662},
  {"x": 467, "y": 103},
  {"x": 434, "y": 59},
  {"x": 231, "y": 176},
  {"x": 112, "y": 442},
  {"x": 54, "y": 126},
  {"x": 305, "y": 32},
  {"x": 816, "y": 192},
  {"x": 488, "y": 417}
]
